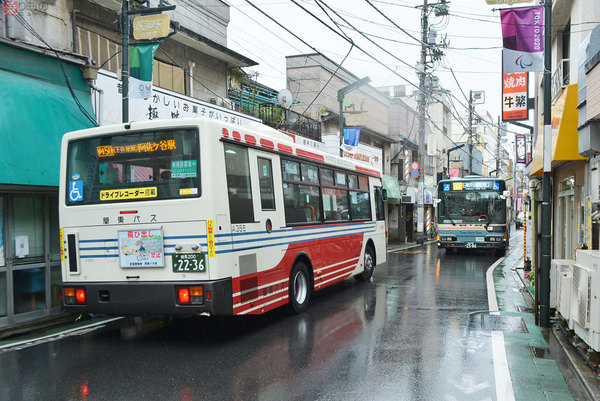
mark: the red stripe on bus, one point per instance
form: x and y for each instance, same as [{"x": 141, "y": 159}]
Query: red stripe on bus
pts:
[
  {"x": 225, "y": 133},
  {"x": 310, "y": 155},
  {"x": 250, "y": 139},
  {"x": 368, "y": 171},
  {"x": 237, "y": 136},
  {"x": 265, "y": 143},
  {"x": 285, "y": 148}
]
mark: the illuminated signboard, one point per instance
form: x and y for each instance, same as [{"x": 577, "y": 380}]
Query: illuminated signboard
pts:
[
  {"x": 473, "y": 186},
  {"x": 110, "y": 150}
]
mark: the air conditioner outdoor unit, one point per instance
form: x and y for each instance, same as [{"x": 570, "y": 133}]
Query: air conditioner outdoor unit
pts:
[
  {"x": 585, "y": 298},
  {"x": 561, "y": 276},
  {"x": 557, "y": 268}
]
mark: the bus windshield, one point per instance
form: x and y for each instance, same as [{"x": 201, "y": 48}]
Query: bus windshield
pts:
[
  {"x": 145, "y": 165},
  {"x": 464, "y": 207}
]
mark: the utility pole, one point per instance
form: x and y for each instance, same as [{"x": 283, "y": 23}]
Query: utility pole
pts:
[
  {"x": 125, "y": 58},
  {"x": 470, "y": 140},
  {"x": 545, "y": 243},
  {"x": 422, "y": 109}
]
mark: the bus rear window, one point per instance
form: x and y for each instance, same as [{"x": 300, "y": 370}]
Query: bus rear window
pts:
[{"x": 147, "y": 165}]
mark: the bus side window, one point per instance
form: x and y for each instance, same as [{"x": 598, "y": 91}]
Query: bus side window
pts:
[
  {"x": 239, "y": 190},
  {"x": 379, "y": 210}
]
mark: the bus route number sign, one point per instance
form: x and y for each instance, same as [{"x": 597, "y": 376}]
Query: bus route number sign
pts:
[{"x": 189, "y": 263}]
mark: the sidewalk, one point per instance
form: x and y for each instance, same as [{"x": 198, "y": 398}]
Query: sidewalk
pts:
[{"x": 542, "y": 364}]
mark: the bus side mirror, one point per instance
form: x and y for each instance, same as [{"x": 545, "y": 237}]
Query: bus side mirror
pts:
[
  {"x": 506, "y": 194},
  {"x": 384, "y": 194}
]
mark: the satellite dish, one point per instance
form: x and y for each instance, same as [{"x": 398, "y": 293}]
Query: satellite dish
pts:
[{"x": 285, "y": 98}]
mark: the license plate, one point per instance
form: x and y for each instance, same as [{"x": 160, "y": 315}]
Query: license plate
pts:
[
  {"x": 189, "y": 263},
  {"x": 470, "y": 245}
]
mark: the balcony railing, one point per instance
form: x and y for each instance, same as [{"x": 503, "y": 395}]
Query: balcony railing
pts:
[{"x": 560, "y": 78}]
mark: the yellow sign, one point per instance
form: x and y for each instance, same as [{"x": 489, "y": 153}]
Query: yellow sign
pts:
[
  {"x": 128, "y": 193},
  {"x": 210, "y": 236},
  {"x": 62, "y": 245},
  {"x": 457, "y": 186},
  {"x": 151, "y": 26}
]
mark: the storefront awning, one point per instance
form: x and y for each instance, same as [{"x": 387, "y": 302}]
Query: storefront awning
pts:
[
  {"x": 37, "y": 110},
  {"x": 391, "y": 185},
  {"x": 565, "y": 137},
  {"x": 411, "y": 195}
]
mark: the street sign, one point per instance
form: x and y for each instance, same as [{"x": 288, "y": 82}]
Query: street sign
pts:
[
  {"x": 414, "y": 166},
  {"x": 414, "y": 174}
]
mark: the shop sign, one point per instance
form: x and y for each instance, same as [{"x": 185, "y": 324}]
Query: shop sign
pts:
[
  {"x": 151, "y": 26},
  {"x": 163, "y": 104},
  {"x": 515, "y": 91}
]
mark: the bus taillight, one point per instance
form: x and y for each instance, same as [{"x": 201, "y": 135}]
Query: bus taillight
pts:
[
  {"x": 80, "y": 296},
  {"x": 184, "y": 295},
  {"x": 190, "y": 295},
  {"x": 74, "y": 296}
]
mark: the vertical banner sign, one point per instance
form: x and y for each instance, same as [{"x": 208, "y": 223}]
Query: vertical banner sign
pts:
[
  {"x": 521, "y": 148},
  {"x": 210, "y": 236},
  {"x": 141, "y": 59},
  {"x": 515, "y": 91},
  {"x": 523, "y": 42}
]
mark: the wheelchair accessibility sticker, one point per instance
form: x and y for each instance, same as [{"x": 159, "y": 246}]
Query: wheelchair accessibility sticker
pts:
[
  {"x": 496, "y": 186},
  {"x": 76, "y": 191},
  {"x": 446, "y": 187}
]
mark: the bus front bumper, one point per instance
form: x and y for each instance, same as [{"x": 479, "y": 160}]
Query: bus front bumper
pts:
[
  {"x": 148, "y": 298},
  {"x": 471, "y": 245}
]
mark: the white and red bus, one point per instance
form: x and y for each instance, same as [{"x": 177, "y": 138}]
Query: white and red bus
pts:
[{"x": 197, "y": 216}]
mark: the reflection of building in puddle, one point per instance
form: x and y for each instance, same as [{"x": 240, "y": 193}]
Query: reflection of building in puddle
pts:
[{"x": 312, "y": 341}]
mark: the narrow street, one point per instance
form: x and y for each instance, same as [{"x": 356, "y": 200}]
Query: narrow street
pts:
[{"x": 415, "y": 332}]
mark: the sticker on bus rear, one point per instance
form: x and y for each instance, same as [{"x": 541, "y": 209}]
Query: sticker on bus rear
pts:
[
  {"x": 210, "y": 236},
  {"x": 184, "y": 168},
  {"x": 188, "y": 191},
  {"x": 76, "y": 191},
  {"x": 128, "y": 193}
]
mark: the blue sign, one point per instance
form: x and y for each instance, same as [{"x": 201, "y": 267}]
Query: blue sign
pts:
[
  {"x": 351, "y": 136},
  {"x": 446, "y": 187},
  {"x": 496, "y": 186},
  {"x": 414, "y": 174},
  {"x": 76, "y": 191}
]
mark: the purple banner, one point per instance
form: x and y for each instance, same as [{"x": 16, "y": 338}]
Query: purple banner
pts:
[{"x": 523, "y": 39}]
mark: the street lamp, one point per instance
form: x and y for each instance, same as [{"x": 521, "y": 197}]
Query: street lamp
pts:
[{"x": 341, "y": 93}]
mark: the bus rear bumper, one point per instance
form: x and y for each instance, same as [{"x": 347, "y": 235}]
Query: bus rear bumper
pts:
[{"x": 149, "y": 298}]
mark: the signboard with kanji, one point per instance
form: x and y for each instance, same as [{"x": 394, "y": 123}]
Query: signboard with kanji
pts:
[{"x": 514, "y": 96}]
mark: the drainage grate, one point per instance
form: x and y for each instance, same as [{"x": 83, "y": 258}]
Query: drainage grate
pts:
[
  {"x": 541, "y": 353},
  {"x": 499, "y": 323}
]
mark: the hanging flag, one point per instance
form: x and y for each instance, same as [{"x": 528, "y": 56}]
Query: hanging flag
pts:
[
  {"x": 523, "y": 39},
  {"x": 351, "y": 138},
  {"x": 141, "y": 58}
]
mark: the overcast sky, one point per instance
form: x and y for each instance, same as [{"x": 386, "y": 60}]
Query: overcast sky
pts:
[{"x": 472, "y": 28}]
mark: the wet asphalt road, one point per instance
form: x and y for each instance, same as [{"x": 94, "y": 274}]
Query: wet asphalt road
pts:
[{"x": 404, "y": 336}]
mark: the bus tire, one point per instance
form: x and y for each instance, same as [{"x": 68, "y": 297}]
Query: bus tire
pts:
[
  {"x": 299, "y": 288},
  {"x": 369, "y": 263}
]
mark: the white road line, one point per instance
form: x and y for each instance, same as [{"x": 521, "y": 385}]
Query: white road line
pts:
[
  {"x": 491, "y": 289},
  {"x": 504, "y": 388},
  {"x": 57, "y": 334}
]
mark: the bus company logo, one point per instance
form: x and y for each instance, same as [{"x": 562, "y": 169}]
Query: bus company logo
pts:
[{"x": 12, "y": 8}]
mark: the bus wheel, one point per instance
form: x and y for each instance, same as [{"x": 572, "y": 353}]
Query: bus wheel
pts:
[
  {"x": 299, "y": 288},
  {"x": 369, "y": 265}
]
